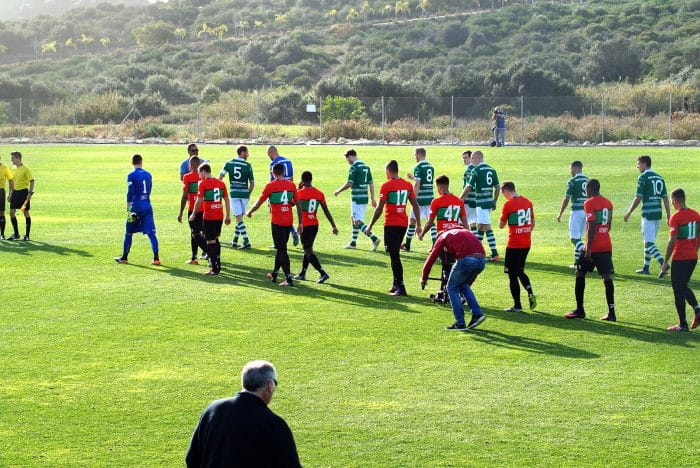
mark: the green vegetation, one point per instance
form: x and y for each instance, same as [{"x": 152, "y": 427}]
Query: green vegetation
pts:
[{"x": 110, "y": 365}]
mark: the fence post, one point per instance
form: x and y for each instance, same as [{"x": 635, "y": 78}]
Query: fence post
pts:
[
  {"x": 320, "y": 119},
  {"x": 257, "y": 116},
  {"x": 198, "y": 136},
  {"x": 20, "y": 119},
  {"x": 602, "y": 117},
  {"x": 522, "y": 119},
  {"x": 670, "y": 116},
  {"x": 383, "y": 120},
  {"x": 75, "y": 116},
  {"x": 452, "y": 121}
]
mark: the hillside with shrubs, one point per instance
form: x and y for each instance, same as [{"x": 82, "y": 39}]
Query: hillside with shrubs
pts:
[{"x": 237, "y": 65}]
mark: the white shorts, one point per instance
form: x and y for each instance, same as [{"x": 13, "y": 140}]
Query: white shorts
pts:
[
  {"x": 358, "y": 211},
  {"x": 238, "y": 206},
  {"x": 471, "y": 214},
  {"x": 424, "y": 213},
  {"x": 577, "y": 224},
  {"x": 483, "y": 215},
  {"x": 650, "y": 228}
]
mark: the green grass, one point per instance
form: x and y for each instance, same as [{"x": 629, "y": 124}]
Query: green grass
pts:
[{"x": 104, "y": 364}]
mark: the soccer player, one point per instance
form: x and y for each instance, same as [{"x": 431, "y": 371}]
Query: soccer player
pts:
[
  {"x": 275, "y": 158},
  {"x": 394, "y": 195},
  {"x": 462, "y": 245},
  {"x": 139, "y": 210},
  {"x": 21, "y": 195},
  {"x": 518, "y": 214},
  {"x": 360, "y": 180},
  {"x": 282, "y": 196},
  {"x": 683, "y": 248},
  {"x": 484, "y": 182},
  {"x": 190, "y": 190},
  {"x": 470, "y": 202},
  {"x": 576, "y": 194},
  {"x": 308, "y": 201},
  {"x": 241, "y": 183},
  {"x": 209, "y": 196},
  {"x": 5, "y": 175},
  {"x": 422, "y": 177},
  {"x": 651, "y": 190},
  {"x": 447, "y": 209},
  {"x": 192, "y": 150},
  {"x": 597, "y": 252}
]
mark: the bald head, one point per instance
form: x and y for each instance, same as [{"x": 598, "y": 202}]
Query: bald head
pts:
[
  {"x": 477, "y": 157},
  {"x": 272, "y": 152}
]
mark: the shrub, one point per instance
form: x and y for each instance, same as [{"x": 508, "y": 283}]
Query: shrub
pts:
[
  {"x": 230, "y": 129},
  {"x": 552, "y": 131},
  {"x": 411, "y": 130},
  {"x": 351, "y": 129},
  {"x": 154, "y": 130},
  {"x": 342, "y": 108}
]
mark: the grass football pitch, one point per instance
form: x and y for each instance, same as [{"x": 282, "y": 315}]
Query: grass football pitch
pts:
[{"x": 105, "y": 364}]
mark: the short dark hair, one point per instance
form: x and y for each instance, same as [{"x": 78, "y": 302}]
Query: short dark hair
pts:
[
  {"x": 278, "y": 169},
  {"x": 307, "y": 177},
  {"x": 192, "y": 146},
  {"x": 594, "y": 184},
  {"x": 241, "y": 149},
  {"x": 350, "y": 152},
  {"x": 136, "y": 159},
  {"x": 17, "y": 155},
  {"x": 195, "y": 160},
  {"x": 577, "y": 164},
  {"x": 443, "y": 180},
  {"x": 392, "y": 166},
  {"x": 205, "y": 168},
  {"x": 508, "y": 185},
  {"x": 646, "y": 160},
  {"x": 468, "y": 153},
  {"x": 420, "y": 150},
  {"x": 678, "y": 195}
]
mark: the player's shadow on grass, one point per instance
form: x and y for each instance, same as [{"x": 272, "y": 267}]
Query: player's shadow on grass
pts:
[
  {"x": 28, "y": 248},
  {"x": 531, "y": 345},
  {"x": 565, "y": 270},
  {"x": 622, "y": 328},
  {"x": 326, "y": 258}
]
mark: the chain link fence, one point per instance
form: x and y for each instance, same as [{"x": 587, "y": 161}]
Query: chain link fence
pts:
[{"x": 399, "y": 120}]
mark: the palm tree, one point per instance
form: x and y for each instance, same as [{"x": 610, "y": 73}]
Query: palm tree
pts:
[
  {"x": 86, "y": 40},
  {"x": 332, "y": 14},
  {"x": 243, "y": 25},
  {"x": 205, "y": 31},
  {"x": 352, "y": 15},
  {"x": 424, "y": 5},
  {"x": 281, "y": 19},
  {"x": 180, "y": 34},
  {"x": 402, "y": 8},
  {"x": 70, "y": 43},
  {"x": 258, "y": 24},
  {"x": 387, "y": 10},
  {"x": 367, "y": 10},
  {"x": 105, "y": 41},
  {"x": 220, "y": 31},
  {"x": 48, "y": 47}
]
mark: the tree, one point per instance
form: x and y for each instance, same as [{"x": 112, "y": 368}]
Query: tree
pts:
[
  {"x": 424, "y": 6},
  {"x": 367, "y": 10},
  {"x": 342, "y": 108},
  {"x": 352, "y": 15},
  {"x": 86, "y": 40},
  {"x": 3, "y": 49},
  {"x": 258, "y": 24},
  {"x": 387, "y": 10},
  {"x": 48, "y": 47},
  {"x": 614, "y": 60},
  {"x": 70, "y": 43},
  {"x": 105, "y": 41},
  {"x": 243, "y": 25},
  {"x": 402, "y": 8},
  {"x": 332, "y": 14},
  {"x": 153, "y": 34},
  {"x": 220, "y": 31},
  {"x": 205, "y": 31},
  {"x": 181, "y": 35},
  {"x": 281, "y": 19}
]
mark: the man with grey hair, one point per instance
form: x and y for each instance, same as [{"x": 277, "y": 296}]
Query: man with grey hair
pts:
[{"x": 242, "y": 430}]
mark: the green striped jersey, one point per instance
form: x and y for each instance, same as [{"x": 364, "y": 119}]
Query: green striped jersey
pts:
[
  {"x": 471, "y": 197},
  {"x": 576, "y": 191},
  {"x": 360, "y": 176},
  {"x": 651, "y": 188},
  {"x": 240, "y": 173},
  {"x": 425, "y": 173},
  {"x": 482, "y": 180}
]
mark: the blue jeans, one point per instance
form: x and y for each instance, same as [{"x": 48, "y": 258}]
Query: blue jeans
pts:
[
  {"x": 464, "y": 272},
  {"x": 500, "y": 136}
]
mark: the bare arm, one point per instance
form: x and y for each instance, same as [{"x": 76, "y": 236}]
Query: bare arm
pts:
[
  {"x": 669, "y": 252},
  {"x": 564, "y": 204},
  {"x": 328, "y": 214},
  {"x": 254, "y": 207},
  {"x": 12, "y": 189},
  {"x": 590, "y": 235},
  {"x": 183, "y": 202},
  {"x": 343, "y": 188},
  {"x": 375, "y": 216},
  {"x": 371, "y": 194},
  {"x": 496, "y": 193},
  {"x": 300, "y": 226},
  {"x": 251, "y": 186},
  {"x": 465, "y": 192},
  {"x": 427, "y": 227},
  {"x": 668, "y": 208},
  {"x": 633, "y": 206},
  {"x": 502, "y": 224},
  {"x": 195, "y": 208},
  {"x": 227, "y": 202}
]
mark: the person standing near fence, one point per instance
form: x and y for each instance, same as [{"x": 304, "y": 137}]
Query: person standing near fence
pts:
[
  {"x": 360, "y": 181},
  {"x": 683, "y": 249},
  {"x": 651, "y": 191},
  {"x": 576, "y": 194},
  {"x": 5, "y": 175},
  {"x": 423, "y": 177},
  {"x": 499, "y": 126},
  {"x": 241, "y": 185}
]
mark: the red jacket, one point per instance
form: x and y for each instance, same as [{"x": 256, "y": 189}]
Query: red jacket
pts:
[{"x": 458, "y": 243}]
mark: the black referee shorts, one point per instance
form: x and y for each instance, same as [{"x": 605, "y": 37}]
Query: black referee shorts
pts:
[
  {"x": 308, "y": 236},
  {"x": 18, "y": 198},
  {"x": 601, "y": 261},
  {"x": 196, "y": 225},
  {"x": 2, "y": 200},
  {"x": 515, "y": 260},
  {"x": 212, "y": 228}
]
